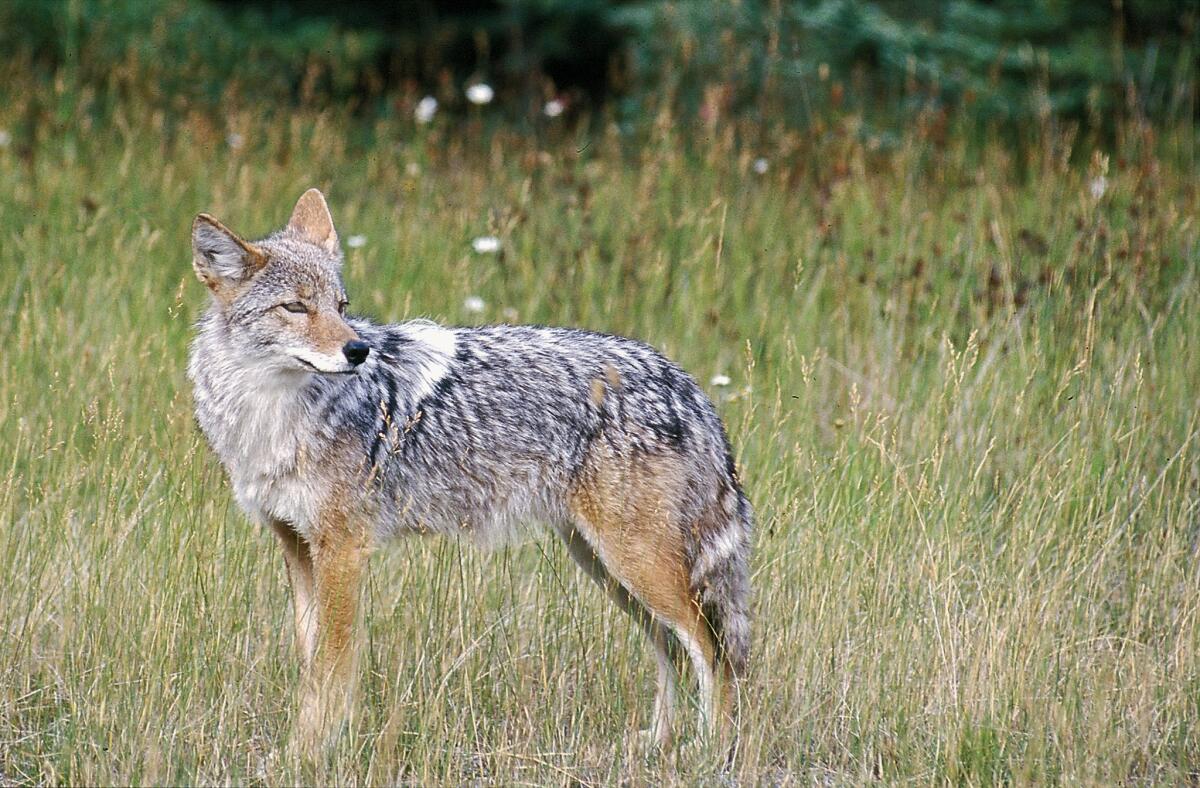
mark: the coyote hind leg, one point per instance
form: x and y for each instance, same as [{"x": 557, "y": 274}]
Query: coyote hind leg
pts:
[
  {"x": 661, "y": 729},
  {"x": 627, "y": 516}
]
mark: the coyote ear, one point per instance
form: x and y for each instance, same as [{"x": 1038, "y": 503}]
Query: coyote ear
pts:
[
  {"x": 312, "y": 221},
  {"x": 221, "y": 259}
]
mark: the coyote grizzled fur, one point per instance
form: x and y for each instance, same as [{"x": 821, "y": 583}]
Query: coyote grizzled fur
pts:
[{"x": 337, "y": 433}]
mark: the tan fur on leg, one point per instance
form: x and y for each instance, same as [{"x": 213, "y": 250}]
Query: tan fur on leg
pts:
[
  {"x": 299, "y": 563},
  {"x": 339, "y": 557},
  {"x": 661, "y": 730},
  {"x": 624, "y": 511}
]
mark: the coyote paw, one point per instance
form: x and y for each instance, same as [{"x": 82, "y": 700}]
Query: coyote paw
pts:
[
  {"x": 314, "y": 738},
  {"x": 654, "y": 738}
]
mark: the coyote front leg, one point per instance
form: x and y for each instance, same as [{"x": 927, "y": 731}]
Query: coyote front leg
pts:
[
  {"x": 339, "y": 554},
  {"x": 298, "y": 559}
]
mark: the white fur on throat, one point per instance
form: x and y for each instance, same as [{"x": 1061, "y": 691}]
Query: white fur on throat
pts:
[{"x": 264, "y": 443}]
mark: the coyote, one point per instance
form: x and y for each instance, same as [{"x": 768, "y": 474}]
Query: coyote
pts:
[{"x": 337, "y": 433}]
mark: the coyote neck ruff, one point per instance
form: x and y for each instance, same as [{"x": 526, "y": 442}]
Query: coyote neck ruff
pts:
[
  {"x": 277, "y": 431},
  {"x": 323, "y": 420}
]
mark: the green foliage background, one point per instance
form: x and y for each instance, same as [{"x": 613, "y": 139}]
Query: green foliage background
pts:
[{"x": 774, "y": 60}]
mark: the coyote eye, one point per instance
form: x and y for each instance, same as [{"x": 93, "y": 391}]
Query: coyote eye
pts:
[
  {"x": 295, "y": 306},
  {"x": 342, "y": 307}
]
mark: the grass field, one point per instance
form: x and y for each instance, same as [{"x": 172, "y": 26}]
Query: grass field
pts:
[{"x": 963, "y": 393}]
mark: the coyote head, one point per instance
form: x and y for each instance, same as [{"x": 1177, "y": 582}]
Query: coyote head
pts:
[{"x": 281, "y": 299}]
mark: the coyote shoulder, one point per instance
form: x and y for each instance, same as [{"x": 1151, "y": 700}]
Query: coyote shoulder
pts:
[{"x": 337, "y": 433}]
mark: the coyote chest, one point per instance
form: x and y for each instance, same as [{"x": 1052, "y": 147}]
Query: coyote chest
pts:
[{"x": 261, "y": 431}]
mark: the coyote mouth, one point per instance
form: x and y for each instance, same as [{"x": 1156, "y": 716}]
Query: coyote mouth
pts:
[{"x": 320, "y": 371}]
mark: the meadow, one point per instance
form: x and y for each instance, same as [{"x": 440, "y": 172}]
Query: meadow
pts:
[{"x": 961, "y": 386}]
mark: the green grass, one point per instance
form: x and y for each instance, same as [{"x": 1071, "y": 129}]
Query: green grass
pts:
[{"x": 964, "y": 399}]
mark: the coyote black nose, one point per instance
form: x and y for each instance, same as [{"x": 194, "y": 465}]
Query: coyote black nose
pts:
[{"x": 356, "y": 352}]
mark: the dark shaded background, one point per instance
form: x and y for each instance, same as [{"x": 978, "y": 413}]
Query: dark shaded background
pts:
[{"x": 999, "y": 62}]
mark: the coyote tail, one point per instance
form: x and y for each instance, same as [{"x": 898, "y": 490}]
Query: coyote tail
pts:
[{"x": 721, "y": 579}]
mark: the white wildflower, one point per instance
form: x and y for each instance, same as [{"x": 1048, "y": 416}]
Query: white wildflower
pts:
[
  {"x": 356, "y": 241},
  {"x": 480, "y": 93},
  {"x": 509, "y": 314},
  {"x": 412, "y": 169},
  {"x": 486, "y": 244},
  {"x": 473, "y": 304},
  {"x": 1098, "y": 186},
  {"x": 5, "y": 138},
  {"x": 761, "y": 165},
  {"x": 553, "y": 108},
  {"x": 426, "y": 109},
  {"x": 235, "y": 140},
  {"x": 720, "y": 380}
]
